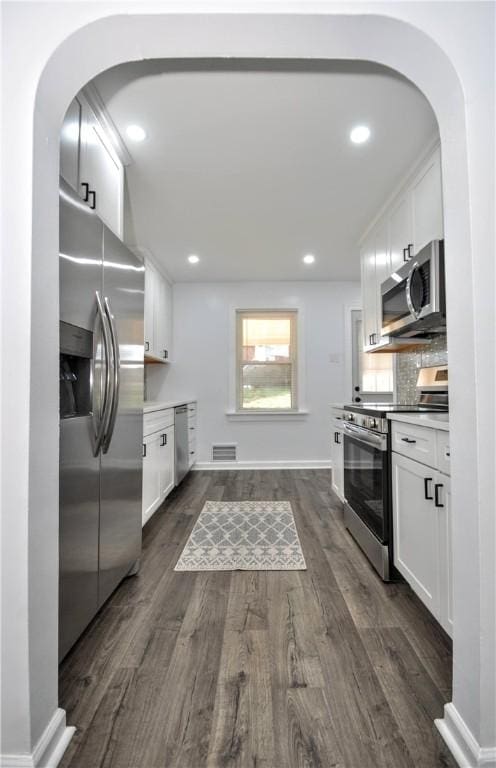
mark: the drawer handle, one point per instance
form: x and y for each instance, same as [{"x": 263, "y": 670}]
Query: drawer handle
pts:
[
  {"x": 192, "y": 428},
  {"x": 408, "y": 440},
  {"x": 436, "y": 494},
  {"x": 427, "y": 480}
]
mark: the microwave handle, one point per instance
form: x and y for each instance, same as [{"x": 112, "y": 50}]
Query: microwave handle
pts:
[{"x": 408, "y": 294}]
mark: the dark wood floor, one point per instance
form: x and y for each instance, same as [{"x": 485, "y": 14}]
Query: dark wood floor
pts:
[{"x": 311, "y": 669}]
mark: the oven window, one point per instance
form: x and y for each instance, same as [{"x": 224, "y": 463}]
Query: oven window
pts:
[
  {"x": 365, "y": 478},
  {"x": 394, "y": 306}
]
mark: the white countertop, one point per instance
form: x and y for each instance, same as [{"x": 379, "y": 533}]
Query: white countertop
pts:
[
  {"x": 159, "y": 405},
  {"x": 433, "y": 420}
]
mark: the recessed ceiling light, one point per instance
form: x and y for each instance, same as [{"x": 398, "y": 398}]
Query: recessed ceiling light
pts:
[
  {"x": 360, "y": 134},
  {"x": 193, "y": 259},
  {"x": 136, "y": 132},
  {"x": 309, "y": 258}
]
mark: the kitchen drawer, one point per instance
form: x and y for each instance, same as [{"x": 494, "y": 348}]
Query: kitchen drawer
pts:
[
  {"x": 157, "y": 420},
  {"x": 443, "y": 451},
  {"x": 415, "y": 442}
]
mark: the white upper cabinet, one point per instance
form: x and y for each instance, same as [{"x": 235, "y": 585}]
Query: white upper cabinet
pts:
[
  {"x": 70, "y": 144},
  {"x": 90, "y": 164},
  {"x": 400, "y": 232},
  {"x": 414, "y": 218},
  {"x": 427, "y": 204},
  {"x": 101, "y": 169},
  {"x": 158, "y": 315},
  {"x": 369, "y": 291}
]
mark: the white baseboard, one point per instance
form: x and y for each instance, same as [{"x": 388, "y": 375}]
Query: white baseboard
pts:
[
  {"x": 235, "y": 465},
  {"x": 461, "y": 741},
  {"x": 50, "y": 747}
]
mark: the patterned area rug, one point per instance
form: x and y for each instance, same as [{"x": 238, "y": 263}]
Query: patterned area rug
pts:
[{"x": 243, "y": 536}]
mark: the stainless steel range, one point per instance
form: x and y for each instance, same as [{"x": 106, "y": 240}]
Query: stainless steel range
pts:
[{"x": 367, "y": 466}]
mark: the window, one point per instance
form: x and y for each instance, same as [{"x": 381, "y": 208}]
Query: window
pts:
[{"x": 266, "y": 360}]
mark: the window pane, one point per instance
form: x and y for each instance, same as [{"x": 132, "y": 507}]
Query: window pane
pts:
[
  {"x": 266, "y": 339},
  {"x": 266, "y": 386}
]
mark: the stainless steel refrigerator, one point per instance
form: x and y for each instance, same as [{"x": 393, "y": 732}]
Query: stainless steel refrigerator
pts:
[{"x": 101, "y": 414}]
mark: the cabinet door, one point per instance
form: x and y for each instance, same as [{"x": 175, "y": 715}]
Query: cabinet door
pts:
[
  {"x": 369, "y": 292},
  {"x": 337, "y": 457},
  {"x": 416, "y": 530},
  {"x": 150, "y": 283},
  {"x": 400, "y": 231},
  {"x": 427, "y": 204},
  {"x": 445, "y": 553},
  {"x": 162, "y": 318},
  {"x": 101, "y": 169},
  {"x": 151, "y": 475},
  {"x": 382, "y": 269},
  {"x": 70, "y": 145},
  {"x": 166, "y": 462}
]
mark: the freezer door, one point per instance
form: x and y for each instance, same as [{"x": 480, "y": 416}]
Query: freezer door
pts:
[
  {"x": 121, "y": 458},
  {"x": 79, "y": 487},
  {"x": 80, "y": 262}
]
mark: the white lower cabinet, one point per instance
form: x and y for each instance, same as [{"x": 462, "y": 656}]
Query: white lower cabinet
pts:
[
  {"x": 337, "y": 458},
  {"x": 422, "y": 534},
  {"x": 151, "y": 475},
  {"x": 158, "y": 468}
]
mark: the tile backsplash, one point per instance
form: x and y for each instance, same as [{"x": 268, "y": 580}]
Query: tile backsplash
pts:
[{"x": 408, "y": 363}]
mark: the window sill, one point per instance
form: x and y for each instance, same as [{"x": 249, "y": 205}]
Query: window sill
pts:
[{"x": 266, "y": 415}]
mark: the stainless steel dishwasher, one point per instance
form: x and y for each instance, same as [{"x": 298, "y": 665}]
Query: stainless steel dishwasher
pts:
[{"x": 181, "y": 441}]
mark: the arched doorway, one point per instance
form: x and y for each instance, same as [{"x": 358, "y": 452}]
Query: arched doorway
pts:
[{"x": 376, "y": 38}]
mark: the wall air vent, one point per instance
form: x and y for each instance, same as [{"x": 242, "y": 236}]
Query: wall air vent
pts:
[{"x": 225, "y": 452}]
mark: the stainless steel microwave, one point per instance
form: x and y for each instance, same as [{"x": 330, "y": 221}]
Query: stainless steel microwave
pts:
[{"x": 413, "y": 298}]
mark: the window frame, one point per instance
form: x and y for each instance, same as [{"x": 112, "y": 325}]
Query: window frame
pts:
[{"x": 293, "y": 361}]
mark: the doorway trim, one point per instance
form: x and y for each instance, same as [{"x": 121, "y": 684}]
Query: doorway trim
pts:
[{"x": 383, "y": 39}]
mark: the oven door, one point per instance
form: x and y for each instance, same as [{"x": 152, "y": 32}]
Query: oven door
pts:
[{"x": 366, "y": 478}]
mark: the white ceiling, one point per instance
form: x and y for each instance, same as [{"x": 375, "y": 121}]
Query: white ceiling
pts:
[{"x": 251, "y": 167}]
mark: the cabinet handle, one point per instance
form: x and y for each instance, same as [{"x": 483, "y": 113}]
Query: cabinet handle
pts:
[
  {"x": 409, "y": 247},
  {"x": 144, "y": 450},
  {"x": 427, "y": 480},
  {"x": 436, "y": 494},
  {"x": 370, "y": 339},
  {"x": 164, "y": 440},
  {"x": 86, "y": 191},
  {"x": 166, "y": 354},
  {"x": 405, "y": 257},
  {"x": 93, "y": 204},
  {"x": 374, "y": 338},
  {"x": 147, "y": 346},
  {"x": 192, "y": 428},
  {"x": 191, "y": 453},
  {"x": 408, "y": 440},
  {"x": 337, "y": 438}
]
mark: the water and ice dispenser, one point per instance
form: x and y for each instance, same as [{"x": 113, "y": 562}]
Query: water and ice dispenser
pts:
[{"x": 76, "y": 352}]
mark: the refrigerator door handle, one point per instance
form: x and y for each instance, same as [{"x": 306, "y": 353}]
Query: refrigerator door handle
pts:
[
  {"x": 116, "y": 378},
  {"x": 105, "y": 412}
]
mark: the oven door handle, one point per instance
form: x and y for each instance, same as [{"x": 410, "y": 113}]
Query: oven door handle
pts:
[{"x": 365, "y": 436}]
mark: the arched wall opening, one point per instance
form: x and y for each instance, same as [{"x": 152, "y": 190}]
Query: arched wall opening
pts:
[{"x": 83, "y": 55}]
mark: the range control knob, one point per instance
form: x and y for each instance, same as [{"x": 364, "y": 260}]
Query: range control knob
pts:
[
  {"x": 350, "y": 417},
  {"x": 373, "y": 423}
]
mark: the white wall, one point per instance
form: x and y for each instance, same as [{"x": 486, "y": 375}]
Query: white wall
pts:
[
  {"x": 49, "y": 51},
  {"x": 204, "y": 344}
]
